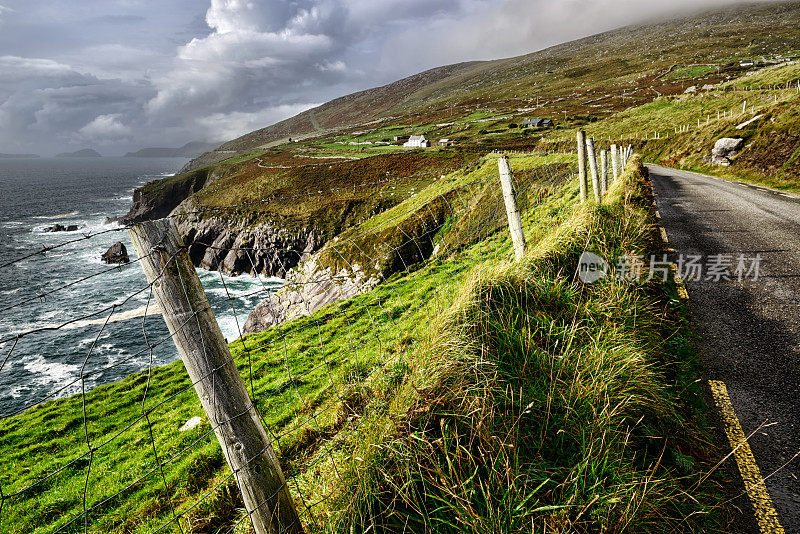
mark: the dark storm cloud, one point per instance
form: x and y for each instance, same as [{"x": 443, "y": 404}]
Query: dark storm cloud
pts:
[{"x": 125, "y": 74}]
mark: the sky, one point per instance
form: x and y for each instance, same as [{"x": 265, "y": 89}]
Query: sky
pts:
[{"x": 119, "y": 75}]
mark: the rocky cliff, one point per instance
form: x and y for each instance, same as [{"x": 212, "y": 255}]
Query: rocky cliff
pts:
[
  {"x": 307, "y": 289},
  {"x": 159, "y": 198},
  {"x": 219, "y": 243}
]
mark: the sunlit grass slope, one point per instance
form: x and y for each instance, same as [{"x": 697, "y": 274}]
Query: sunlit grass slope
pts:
[{"x": 465, "y": 394}]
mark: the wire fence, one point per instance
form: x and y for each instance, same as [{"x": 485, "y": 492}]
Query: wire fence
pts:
[{"x": 139, "y": 455}]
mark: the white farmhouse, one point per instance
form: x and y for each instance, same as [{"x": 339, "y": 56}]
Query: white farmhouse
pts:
[{"x": 417, "y": 141}]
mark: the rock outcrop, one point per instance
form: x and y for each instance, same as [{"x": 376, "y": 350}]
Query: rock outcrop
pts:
[
  {"x": 158, "y": 199},
  {"x": 62, "y": 228},
  {"x": 117, "y": 254},
  {"x": 219, "y": 244},
  {"x": 353, "y": 263},
  {"x": 725, "y": 149},
  {"x": 308, "y": 289}
]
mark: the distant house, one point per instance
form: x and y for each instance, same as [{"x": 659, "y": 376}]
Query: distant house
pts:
[
  {"x": 746, "y": 64},
  {"x": 446, "y": 142},
  {"x": 417, "y": 141},
  {"x": 537, "y": 123}
]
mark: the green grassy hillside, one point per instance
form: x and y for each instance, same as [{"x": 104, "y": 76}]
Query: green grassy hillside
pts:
[
  {"x": 480, "y": 105},
  {"x": 465, "y": 393},
  {"x": 762, "y": 108},
  {"x": 464, "y": 367}
]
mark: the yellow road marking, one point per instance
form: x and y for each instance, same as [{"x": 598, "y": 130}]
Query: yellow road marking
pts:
[
  {"x": 682, "y": 292},
  {"x": 744, "y": 185},
  {"x": 785, "y": 195},
  {"x": 766, "y": 516},
  {"x": 663, "y": 235}
]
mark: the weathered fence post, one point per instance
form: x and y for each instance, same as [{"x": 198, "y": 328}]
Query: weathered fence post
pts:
[
  {"x": 615, "y": 161},
  {"x": 603, "y": 172},
  {"x": 582, "y": 165},
  {"x": 223, "y": 395},
  {"x": 593, "y": 168},
  {"x": 512, "y": 213}
]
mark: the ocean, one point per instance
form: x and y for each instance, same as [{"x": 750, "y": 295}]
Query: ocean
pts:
[{"x": 49, "y": 362}]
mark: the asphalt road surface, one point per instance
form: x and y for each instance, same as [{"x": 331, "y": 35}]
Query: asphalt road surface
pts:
[{"x": 750, "y": 329}]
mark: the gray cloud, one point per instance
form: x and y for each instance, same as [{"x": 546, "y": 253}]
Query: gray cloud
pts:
[{"x": 121, "y": 74}]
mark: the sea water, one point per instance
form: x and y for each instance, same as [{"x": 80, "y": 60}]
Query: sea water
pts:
[{"x": 69, "y": 339}]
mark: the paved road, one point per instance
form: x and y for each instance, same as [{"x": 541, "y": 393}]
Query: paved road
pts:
[{"x": 750, "y": 330}]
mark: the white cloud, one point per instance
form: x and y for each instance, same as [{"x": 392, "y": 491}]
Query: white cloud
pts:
[
  {"x": 257, "y": 54},
  {"x": 104, "y": 128},
  {"x": 228, "y": 126},
  {"x": 263, "y": 57}
]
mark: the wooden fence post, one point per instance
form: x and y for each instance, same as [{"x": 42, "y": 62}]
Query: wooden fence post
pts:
[
  {"x": 615, "y": 161},
  {"x": 593, "y": 168},
  {"x": 603, "y": 172},
  {"x": 582, "y": 165},
  {"x": 223, "y": 395},
  {"x": 512, "y": 213}
]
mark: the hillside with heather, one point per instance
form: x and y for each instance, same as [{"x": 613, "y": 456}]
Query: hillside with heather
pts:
[{"x": 595, "y": 76}]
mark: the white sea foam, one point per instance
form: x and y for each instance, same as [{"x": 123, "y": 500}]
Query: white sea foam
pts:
[
  {"x": 49, "y": 317},
  {"x": 49, "y": 373},
  {"x": 54, "y": 217},
  {"x": 10, "y": 291}
]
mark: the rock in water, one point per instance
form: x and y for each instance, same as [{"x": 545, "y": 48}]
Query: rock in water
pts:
[
  {"x": 725, "y": 149},
  {"x": 116, "y": 254},
  {"x": 62, "y": 228}
]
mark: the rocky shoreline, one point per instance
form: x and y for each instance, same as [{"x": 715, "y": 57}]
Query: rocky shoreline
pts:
[
  {"x": 235, "y": 247},
  {"x": 218, "y": 244},
  {"x": 294, "y": 243}
]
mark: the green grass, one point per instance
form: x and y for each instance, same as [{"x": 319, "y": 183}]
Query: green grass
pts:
[
  {"x": 537, "y": 403},
  {"x": 325, "y": 362},
  {"x": 464, "y": 394},
  {"x": 772, "y": 147},
  {"x": 769, "y": 77},
  {"x": 690, "y": 71}
]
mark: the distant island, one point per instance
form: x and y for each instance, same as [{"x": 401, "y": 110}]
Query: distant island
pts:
[
  {"x": 85, "y": 153},
  {"x": 189, "y": 150},
  {"x": 19, "y": 156}
]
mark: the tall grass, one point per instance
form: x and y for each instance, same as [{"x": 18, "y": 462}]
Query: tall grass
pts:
[{"x": 538, "y": 403}]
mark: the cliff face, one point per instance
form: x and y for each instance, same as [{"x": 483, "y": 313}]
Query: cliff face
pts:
[
  {"x": 217, "y": 243},
  {"x": 157, "y": 199}
]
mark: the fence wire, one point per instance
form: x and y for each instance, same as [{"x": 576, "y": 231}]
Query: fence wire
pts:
[{"x": 125, "y": 457}]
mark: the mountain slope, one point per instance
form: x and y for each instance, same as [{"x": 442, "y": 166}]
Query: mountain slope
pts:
[{"x": 602, "y": 73}]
